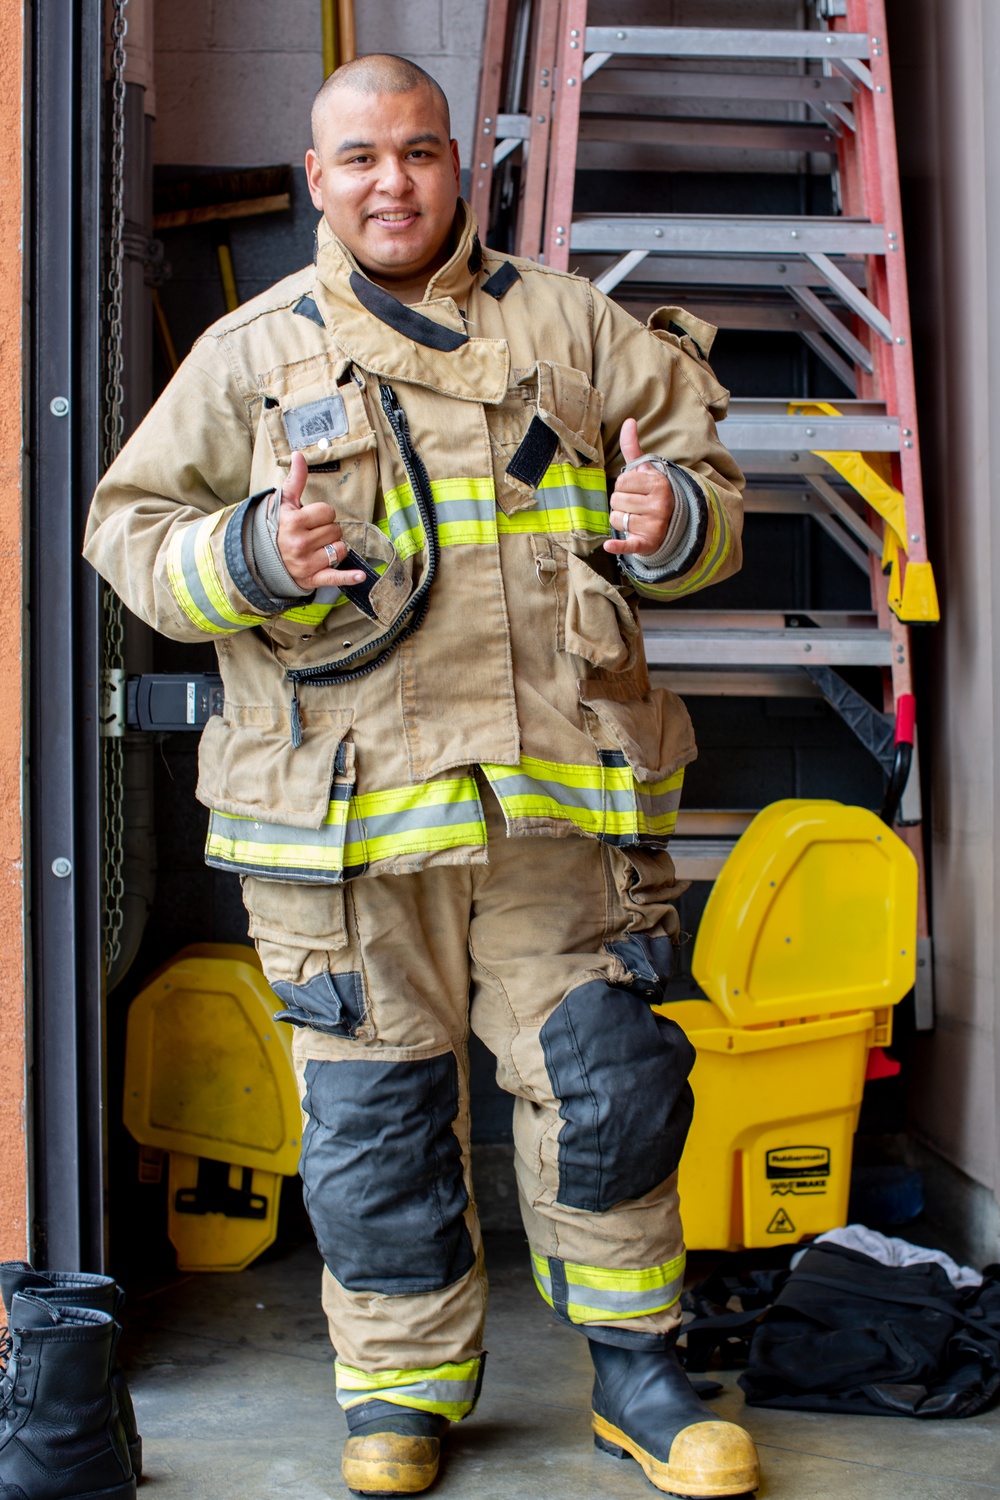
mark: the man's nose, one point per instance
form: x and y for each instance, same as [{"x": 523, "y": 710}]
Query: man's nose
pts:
[{"x": 393, "y": 177}]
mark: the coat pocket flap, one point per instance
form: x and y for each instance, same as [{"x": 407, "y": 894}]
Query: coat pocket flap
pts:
[
  {"x": 598, "y": 623},
  {"x": 249, "y": 768},
  {"x": 571, "y": 408},
  {"x": 654, "y": 732},
  {"x": 312, "y": 409}
]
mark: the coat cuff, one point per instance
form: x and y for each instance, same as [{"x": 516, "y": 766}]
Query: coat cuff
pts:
[
  {"x": 686, "y": 533},
  {"x": 260, "y": 575}
]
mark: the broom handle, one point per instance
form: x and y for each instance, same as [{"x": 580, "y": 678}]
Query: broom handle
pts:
[{"x": 345, "y": 27}]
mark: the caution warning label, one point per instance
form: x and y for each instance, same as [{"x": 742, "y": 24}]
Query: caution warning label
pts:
[{"x": 781, "y": 1224}]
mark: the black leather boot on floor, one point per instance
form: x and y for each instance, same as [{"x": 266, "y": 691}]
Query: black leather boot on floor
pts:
[
  {"x": 60, "y": 1435},
  {"x": 76, "y": 1289},
  {"x": 392, "y": 1450},
  {"x": 646, "y": 1409}
]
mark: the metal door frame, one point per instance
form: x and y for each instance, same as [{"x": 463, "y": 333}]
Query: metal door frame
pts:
[{"x": 63, "y": 642}]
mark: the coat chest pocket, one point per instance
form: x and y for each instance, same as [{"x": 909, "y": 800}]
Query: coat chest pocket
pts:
[{"x": 317, "y": 408}]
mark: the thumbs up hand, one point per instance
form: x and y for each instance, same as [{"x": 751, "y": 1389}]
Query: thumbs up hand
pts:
[{"x": 642, "y": 503}]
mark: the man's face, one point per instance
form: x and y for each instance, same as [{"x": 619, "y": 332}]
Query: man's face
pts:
[{"x": 386, "y": 177}]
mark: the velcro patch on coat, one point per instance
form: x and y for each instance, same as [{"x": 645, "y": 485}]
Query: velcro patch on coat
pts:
[{"x": 325, "y": 418}]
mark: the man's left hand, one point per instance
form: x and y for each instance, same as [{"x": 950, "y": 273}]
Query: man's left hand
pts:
[{"x": 643, "y": 502}]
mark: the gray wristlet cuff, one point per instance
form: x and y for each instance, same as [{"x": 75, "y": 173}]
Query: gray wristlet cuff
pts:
[
  {"x": 260, "y": 545},
  {"x": 686, "y": 533}
]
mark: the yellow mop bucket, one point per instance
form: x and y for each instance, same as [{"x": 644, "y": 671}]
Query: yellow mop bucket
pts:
[{"x": 807, "y": 942}]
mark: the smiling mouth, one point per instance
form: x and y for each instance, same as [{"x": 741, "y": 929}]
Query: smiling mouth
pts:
[{"x": 394, "y": 216}]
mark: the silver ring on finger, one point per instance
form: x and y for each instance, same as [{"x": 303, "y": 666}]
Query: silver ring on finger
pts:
[
  {"x": 331, "y": 553},
  {"x": 626, "y": 517}
]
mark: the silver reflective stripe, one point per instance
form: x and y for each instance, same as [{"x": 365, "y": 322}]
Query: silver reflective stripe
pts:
[
  {"x": 572, "y": 497},
  {"x": 407, "y": 518},
  {"x": 440, "y": 1392},
  {"x": 246, "y": 830},
  {"x": 195, "y": 587},
  {"x": 434, "y": 815},
  {"x": 464, "y": 510},
  {"x": 632, "y": 1304},
  {"x": 595, "y": 799},
  {"x": 658, "y": 807}
]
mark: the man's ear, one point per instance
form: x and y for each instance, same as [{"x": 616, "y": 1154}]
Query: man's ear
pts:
[
  {"x": 456, "y": 163},
  {"x": 314, "y": 177}
]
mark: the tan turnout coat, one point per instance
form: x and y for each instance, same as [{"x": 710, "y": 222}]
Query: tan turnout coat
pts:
[{"x": 529, "y": 661}]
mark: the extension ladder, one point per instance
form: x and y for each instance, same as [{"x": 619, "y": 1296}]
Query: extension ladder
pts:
[{"x": 560, "y": 93}]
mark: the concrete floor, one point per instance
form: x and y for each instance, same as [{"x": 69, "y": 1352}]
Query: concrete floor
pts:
[{"x": 232, "y": 1378}]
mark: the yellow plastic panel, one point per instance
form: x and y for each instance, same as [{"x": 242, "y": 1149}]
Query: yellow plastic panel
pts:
[
  {"x": 768, "y": 1157},
  {"x": 815, "y": 913},
  {"x": 208, "y": 1072},
  {"x": 217, "y": 1241}
]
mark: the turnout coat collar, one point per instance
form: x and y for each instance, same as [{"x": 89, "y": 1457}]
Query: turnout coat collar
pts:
[{"x": 425, "y": 344}]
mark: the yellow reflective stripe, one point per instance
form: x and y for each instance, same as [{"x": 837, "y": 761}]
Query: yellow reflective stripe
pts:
[
  {"x": 413, "y": 820},
  {"x": 466, "y": 513},
  {"x": 449, "y": 1390},
  {"x": 598, "y": 1294},
  {"x": 658, "y": 803},
  {"x": 194, "y": 580},
  {"x": 715, "y": 554},
  {"x": 312, "y": 614},
  {"x": 567, "y": 499},
  {"x": 357, "y": 831}
]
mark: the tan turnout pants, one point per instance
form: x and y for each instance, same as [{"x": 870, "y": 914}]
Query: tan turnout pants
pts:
[{"x": 554, "y": 953}]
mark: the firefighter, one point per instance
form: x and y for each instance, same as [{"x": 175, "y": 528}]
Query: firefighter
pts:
[{"x": 441, "y": 772}]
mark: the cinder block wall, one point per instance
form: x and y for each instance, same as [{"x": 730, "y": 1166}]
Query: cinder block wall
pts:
[{"x": 235, "y": 78}]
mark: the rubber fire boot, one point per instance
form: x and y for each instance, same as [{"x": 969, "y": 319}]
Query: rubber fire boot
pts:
[
  {"x": 392, "y": 1450},
  {"x": 645, "y": 1408},
  {"x": 77, "y": 1289},
  {"x": 60, "y": 1437}
]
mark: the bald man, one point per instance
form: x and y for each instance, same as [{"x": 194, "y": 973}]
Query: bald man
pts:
[{"x": 381, "y": 489}]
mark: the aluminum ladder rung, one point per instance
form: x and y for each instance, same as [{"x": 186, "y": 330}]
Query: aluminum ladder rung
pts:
[
  {"x": 715, "y": 42},
  {"x": 713, "y": 234},
  {"x": 767, "y": 648}
]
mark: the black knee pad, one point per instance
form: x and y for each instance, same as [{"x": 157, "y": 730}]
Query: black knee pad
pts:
[
  {"x": 620, "y": 1074},
  {"x": 382, "y": 1173}
]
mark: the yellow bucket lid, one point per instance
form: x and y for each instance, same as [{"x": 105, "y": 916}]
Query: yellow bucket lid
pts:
[
  {"x": 208, "y": 1071},
  {"x": 814, "y": 913}
]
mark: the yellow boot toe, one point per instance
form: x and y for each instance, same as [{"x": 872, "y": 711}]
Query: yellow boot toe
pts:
[
  {"x": 706, "y": 1459},
  {"x": 390, "y": 1463}
]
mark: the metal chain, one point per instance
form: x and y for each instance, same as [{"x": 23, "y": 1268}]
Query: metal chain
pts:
[{"x": 114, "y": 427}]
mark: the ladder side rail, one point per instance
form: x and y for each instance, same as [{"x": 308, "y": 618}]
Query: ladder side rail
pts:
[
  {"x": 897, "y": 294},
  {"x": 888, "y": 285},
  {"x": 490, "y": 82},
  {"x": 565, "y": 134},
  {"x": 541, "y": 100}
]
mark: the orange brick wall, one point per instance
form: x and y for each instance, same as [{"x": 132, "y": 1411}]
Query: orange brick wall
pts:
[{"x": 13, "y": 1110}]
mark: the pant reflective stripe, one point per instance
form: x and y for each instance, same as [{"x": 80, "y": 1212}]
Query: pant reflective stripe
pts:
[
  {"x": 603, "y": 800},
  {"x": 449, "y": 1390},
  {"x": 195, "y": 582},
  {"x": 596, "y": 1294},
  {"x": 567, "y": 499},
  {"x": 357, "y": 831},
  {"x": 719, "y": 544}
]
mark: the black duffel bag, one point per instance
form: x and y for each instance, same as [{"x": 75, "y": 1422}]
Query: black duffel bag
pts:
[{"x": 846, "y": 1333}]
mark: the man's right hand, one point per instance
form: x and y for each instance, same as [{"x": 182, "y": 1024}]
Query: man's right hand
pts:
[{"x": 304, "y": 533}]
